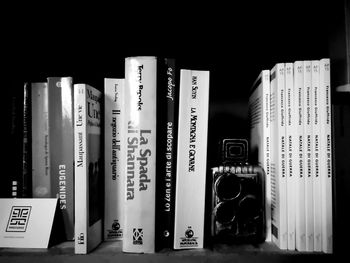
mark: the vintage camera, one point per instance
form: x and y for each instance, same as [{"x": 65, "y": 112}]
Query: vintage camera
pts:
[{"x": 238, "y": 196}]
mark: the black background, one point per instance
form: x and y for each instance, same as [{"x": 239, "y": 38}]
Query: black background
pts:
[{"x": 234, "y": 40}]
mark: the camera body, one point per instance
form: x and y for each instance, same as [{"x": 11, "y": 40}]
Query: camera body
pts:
[{"x": 238, "y": 196}]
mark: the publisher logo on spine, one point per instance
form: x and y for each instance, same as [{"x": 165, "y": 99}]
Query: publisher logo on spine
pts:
[
  {"x": 137, "y": 238},
  {"x": 189, "y": 240},
  {"x": 115, "y": 231},
  {"x": 18, "y": 220}
]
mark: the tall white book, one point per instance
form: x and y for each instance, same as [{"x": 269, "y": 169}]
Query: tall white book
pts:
[
  {"x": 291, "y": 154},
  {"x": 278, "y": 160},
  {"x": 300, "y": 179},
  {"x": 308, "y": 169},
  {"x": 114, "y": 179},
  {"x": 316, "y": 155},
  {"x": 140, "y": 158},
  {"x": 259, "y": 108},
  {"x": 191, "y": 159},
  {"x": 87, "y": 168},
  {"x": 326, "y": 156},
  {"x": 41, "y": 183}
]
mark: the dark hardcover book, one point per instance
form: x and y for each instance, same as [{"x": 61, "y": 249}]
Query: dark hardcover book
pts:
[
  {"x": 18, "y": 182},
  {"x": 167, "y": 126},
  {"x": 61, "y": 140}
]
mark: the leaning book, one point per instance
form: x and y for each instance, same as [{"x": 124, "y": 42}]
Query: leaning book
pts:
[
  {"x": 191, "y": 159},
  {"x": 87, "y": 168},
  {"x": 139, "y": 154}
]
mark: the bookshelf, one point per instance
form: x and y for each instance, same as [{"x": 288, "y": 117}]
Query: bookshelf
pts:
[{"x": 234, "y": 42}]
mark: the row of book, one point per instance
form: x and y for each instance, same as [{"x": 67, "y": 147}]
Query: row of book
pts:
[
  {"x": 290, "y": 117},
  {"x": 111, "y": 155}
]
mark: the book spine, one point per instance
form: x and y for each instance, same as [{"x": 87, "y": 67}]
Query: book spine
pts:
[
  {"x": 114, "y": 180},
  {"x": 80, "y": 170},
  {"x": 266, "y": 149},
  {"x": 26, "y": 189},
  {"x": 316, "y": 159},
  {"x": 141, "y": 112},
  {"x": 290, "y": 155},
  {"x": 278, "y": 165},
  {"x": 300, "y": 180},
  {"x": 41, "y": 184},
  {"x": 60, "y": 94},
  {"x": 168, "y": 128},
  {"x": 326, "y": 157},
  {"x": 308, "y": 172},
  {"x": 191, "y": 159}
]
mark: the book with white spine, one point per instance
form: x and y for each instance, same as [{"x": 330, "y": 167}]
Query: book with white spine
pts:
[
  {"x": 326, "y": 156},
  {"x": 259, "y": 108},
  {"x": 114, "y": 179},
  {"x": 300, "y": 180},
  {"x": 278, "y": 160},
  {"x": 87, "y": 168},
  {"x": 191, "y": 159},
  {"x": 316, "y": 154},
  {"x": 140, "y": 159},
  {"x": 291, "y": 154},
  {"x": 308, "y": 169}
]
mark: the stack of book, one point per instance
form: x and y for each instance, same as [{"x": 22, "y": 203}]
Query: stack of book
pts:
[{"x": 290, "y": 113}]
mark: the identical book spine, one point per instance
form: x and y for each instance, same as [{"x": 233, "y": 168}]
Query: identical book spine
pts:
[
  {"x": 88, "y": 170},
  {"x": 140, "y": 154},
  {"x": 114, "y": 179},
  {"x": 278, "y": 161},
  {"x": 191, "y": 159},
  {"x": 300, "y": 178},
  {"x": 290, "y": 154},
  {"x": 326, "y": 157},
  {"x": 259, "y": 114},
  {"x": 61, "y": 140}
]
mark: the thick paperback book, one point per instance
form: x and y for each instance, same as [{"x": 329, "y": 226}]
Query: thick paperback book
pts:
[
  {"x": 278, "y": 160},
  {"x": 41, "y": 182},
  {"x": 114, "y": 179},
  {"x": 166, "y": 148},
  {"x": 139, "y": 154},
  {"x": 191, "y": 159},
  {"x": 61, "y": 140},
  {"x": 88, "y": 168},
  {"x": 259, "y": 115}
]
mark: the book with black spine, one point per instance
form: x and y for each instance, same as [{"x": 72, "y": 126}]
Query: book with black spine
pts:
[
  {"x": 166, "y": 148},
  {"x": 88, "y": 168},
  {"x": 61, "y": 140}
]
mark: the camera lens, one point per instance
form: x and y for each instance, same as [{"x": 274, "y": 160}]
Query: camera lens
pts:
[
  {"x": 227, "y": 187},
  {"x": 225, "y": 212},
  {"x": 249, "y": 207}
]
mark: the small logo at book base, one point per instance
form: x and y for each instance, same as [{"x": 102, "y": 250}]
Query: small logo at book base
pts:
[
  {"x": 189, "y": 240},
  {"x": 137, "y": 238},
  {"x": 115, "y": 231},
  {"x": 18, "y": 220}
]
